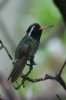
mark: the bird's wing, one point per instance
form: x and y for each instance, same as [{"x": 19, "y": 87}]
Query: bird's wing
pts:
[
  {"x": 21, "y": 50},
  {"x": 20, "y": 62}
]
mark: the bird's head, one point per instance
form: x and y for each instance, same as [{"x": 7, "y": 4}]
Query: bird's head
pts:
[{"x": 35, "y": 30}]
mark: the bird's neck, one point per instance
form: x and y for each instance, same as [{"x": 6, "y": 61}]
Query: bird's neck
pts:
[{"x": 35, "y": 37}]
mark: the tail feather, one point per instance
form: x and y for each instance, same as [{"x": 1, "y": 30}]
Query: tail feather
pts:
[{"x": 18, "y": 68}]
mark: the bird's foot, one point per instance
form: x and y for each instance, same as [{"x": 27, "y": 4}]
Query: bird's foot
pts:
[
  {"x": 28, "y": 64},
  {"x": 17, "y": 86},
  {"x": 24, "y": 79},
  {"x": 22, "y": 83},
  {"x": 33, "y": 63}
]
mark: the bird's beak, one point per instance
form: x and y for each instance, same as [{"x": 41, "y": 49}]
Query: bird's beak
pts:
[{"x": 42, "y": 28}]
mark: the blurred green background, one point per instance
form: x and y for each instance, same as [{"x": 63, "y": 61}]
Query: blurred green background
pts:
[{"x": 15, "y": 17}]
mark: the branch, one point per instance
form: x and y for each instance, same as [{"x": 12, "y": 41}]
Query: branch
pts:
[
  {"x": 61, "y": 4},
  {"x": 57, "y": 78},
  {"x": 62, "y": 68},
  {"x": 3, "y": 46},
  {"x": 58, "y": 97}
]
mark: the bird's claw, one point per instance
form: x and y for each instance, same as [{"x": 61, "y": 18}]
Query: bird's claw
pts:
[
  {"x": 28, "y": 64},
  {"x": 33, "y": 63},
  {"x": 22, "y": 83},
  {"x": 24, "y": 79},
  {"x": 17, "y": 87}
]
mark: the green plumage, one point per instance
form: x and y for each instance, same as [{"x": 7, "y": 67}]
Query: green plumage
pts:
[
  {"x": 25, "y": 50},
  {"x": 27, "y": 42}
]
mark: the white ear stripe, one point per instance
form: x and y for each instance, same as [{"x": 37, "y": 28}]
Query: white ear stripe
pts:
[{"x": 31, "y": 31}]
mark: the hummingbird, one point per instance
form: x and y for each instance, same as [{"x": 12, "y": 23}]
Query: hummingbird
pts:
[{"x": 26, "y": 51}]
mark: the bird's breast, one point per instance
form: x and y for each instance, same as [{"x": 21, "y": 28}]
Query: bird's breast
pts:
[{"x": 34, "y": 49}]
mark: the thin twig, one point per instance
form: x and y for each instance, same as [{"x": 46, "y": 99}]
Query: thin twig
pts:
[
  {"x": 8, "y": 52},
  {"x": 62, "y": 68},
  {"x": 57, "y": 78},
  {"x": 3, "y": 46},
  {"x": 58, "y": 97}
]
